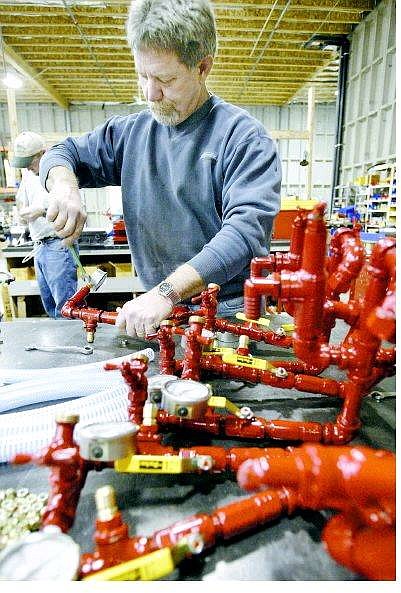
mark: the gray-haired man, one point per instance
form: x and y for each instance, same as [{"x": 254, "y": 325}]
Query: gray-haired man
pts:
[{"x": 200, "y": 178}]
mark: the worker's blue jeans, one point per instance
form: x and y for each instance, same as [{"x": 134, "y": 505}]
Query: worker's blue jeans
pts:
[{"x": 56, "y": 274}]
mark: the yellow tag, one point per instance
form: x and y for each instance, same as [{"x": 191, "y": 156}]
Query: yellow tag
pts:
[
  {"x": 153, "y": 464},
  {"x": 261, "y": 321},
  {"x": 248, "y": 361},
  {"x": 288, "y": 327},
  {"x": 218, "y": 401},
  {"x": 219, "y": 350},
  {"x": 147, "y": 568}
]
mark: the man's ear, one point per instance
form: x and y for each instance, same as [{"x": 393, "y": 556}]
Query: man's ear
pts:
[{"x": 205, "y": 66}]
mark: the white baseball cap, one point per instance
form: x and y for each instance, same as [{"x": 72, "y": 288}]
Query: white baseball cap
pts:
[{"x": 26, "y": 146}]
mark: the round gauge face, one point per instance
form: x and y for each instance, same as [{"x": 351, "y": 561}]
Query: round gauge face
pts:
[
  {"x": 108, "y": 430},
  {"x": 41, "y": 556},
  {"x": 187, "y": 390}
]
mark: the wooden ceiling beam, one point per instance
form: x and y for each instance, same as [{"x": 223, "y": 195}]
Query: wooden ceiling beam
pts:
[
  {"x": 44, "y": 44},
  {"x": 118, "y": 62},
  {"x": 343, "y": 5},
  {"x": 118, "y": 32},
  {"x": 22, "y": 66},
  {"x": 119, "y": 10},
  {"x": 249, "y": 18}
]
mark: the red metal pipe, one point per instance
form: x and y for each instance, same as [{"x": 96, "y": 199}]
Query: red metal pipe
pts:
[
  {"x": 260, "y": 335},
  {"x": 343, "y": 479},
  {"x": 301, "y": 382},
  {"x": 222, "y": 524},
  {"x": 134, "y": 374},
  {"x": 347, "y": 256},
  {"x": 194, "y": 343},
  {"x": 360, "y": 347},
  {"x": 290, "y": 260},
  {"x": 381, "y": 321},
  {"x": 311, "y": 477},
  {"x": 67, "y": 476}
]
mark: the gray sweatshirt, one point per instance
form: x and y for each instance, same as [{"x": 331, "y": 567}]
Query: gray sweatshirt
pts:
[{"x": 204, "y": 192}]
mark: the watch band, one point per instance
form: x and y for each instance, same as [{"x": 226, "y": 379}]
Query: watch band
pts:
[{"x": 166, "y": 289}]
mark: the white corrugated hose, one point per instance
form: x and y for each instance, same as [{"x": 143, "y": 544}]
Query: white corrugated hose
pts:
[{"x": 29, "y": 431}]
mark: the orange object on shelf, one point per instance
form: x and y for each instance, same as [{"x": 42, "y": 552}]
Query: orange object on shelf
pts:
[
  {"x": 283, "y": 223},
  {"x": 119, "y": 234}
]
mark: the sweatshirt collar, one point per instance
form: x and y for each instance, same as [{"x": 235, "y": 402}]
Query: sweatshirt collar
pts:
[{"x": 191, "y": 122}]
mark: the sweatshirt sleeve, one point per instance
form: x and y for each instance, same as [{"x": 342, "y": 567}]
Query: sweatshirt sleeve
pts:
[
  {"x": 250, "y": 200},
  {"x": 93, "y": 157}
]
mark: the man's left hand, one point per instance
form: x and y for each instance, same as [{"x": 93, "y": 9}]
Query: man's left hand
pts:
[{"x": 142, "y": 316}]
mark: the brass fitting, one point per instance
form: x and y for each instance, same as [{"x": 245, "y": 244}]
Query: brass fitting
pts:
[
  {"x": 106, "y": 505},
  {"x": 142, "y": 357},
  {"x": 90, "y": 336},
  {"x": 196, "y": 319},
  {"x": 67, "y": 418},
  {"x": 243, "y": 341},
  {"x": 149, "y": 414}
]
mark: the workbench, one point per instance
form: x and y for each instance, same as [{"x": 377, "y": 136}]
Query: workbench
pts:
[{"x": 287, "y": 549}]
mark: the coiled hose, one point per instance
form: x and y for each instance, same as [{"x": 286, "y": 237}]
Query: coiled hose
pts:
[
  {"x": 103, "y": 393},
  {"x": 10, "y": 376},
  {"x": 28, "y": 432}
]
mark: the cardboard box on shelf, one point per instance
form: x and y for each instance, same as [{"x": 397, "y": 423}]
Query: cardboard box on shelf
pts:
[
  {"x": 27, "y": 273},
  {"x": 124, "y": 269},
  {"x": 105, "y": 266}
]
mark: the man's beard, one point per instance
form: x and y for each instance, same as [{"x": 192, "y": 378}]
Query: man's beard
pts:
[{"x": 164, "y": 112}]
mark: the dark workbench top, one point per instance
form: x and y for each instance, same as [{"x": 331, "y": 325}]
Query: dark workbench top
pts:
[{"x": 287, "y": 549}]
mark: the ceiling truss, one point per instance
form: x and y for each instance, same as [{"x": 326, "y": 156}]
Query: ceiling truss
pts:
[{"x": 75, "y": 50}]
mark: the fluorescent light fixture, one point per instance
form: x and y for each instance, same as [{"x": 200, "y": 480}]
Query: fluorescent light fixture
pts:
[{"x": 12, "y": 81}]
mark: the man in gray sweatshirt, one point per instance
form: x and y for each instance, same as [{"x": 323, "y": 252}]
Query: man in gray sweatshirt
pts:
[{"x": 200, "y": 178}]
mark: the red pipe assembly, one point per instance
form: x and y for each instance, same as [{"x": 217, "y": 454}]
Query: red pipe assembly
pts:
[
  {"x": 362, "y": 535},
  {"x": 310, "y": 477},
  {"x": 308, "y": 282}
]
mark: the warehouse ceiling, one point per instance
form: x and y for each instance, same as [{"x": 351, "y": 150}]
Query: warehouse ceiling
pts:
[{"x": 71, "y": 51}]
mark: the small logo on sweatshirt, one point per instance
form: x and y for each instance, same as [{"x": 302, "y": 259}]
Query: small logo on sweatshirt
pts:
[{"x": 208, "y": 156}]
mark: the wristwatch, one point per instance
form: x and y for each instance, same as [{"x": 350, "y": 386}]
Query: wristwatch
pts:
[{"x": 166, "y": 289}]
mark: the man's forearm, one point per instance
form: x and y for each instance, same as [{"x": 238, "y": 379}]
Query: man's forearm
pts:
[
  {"x": 186, "y": 281},
  {"x": 61, "y": 175}
]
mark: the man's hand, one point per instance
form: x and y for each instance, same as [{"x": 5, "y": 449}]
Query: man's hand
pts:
[
  {"x": 142, "y": 316},
  {"x": 65, "y": 209}
]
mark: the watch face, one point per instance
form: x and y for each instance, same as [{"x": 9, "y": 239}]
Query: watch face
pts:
[{"x": 165, "y": 288}]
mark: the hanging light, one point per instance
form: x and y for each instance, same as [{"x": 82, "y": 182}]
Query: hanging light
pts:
[{"x": 12, "y": 81}]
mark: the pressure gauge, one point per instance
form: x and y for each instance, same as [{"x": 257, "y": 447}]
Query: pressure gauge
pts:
[
  {"x": 155, "y": 385},
  {"x": 46, "y": 555},
  {"x": 106, "y": 441},
  {"x": 185, "y": 398}
]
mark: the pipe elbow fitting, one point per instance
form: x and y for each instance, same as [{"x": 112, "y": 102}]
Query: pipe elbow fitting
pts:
[{"x": 259, "y": 264}]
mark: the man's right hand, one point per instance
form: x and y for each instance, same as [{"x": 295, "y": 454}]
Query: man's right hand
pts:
[{"x": 65, "y": 208}]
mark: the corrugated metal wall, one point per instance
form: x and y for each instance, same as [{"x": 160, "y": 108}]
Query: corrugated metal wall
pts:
[
  {"x": 369, "y": 124},
  {"x": 47, "y": 118}
]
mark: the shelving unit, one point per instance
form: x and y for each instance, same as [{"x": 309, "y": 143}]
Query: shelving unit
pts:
[
  {"x": 373, "y": 196},
  {"x": 21, "y": 288},
  {"x": 381, "y": 200},
  {"x": 351, "y": 196}
]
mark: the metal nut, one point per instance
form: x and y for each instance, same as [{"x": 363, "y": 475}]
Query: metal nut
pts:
[
  {"x": 279, "y": 331},
  {"x": 281, "y": 373},
  {"x": 22, "y": 492},
  {"x": 195, "y": 543},
  {"x": 204, "y": 462},
  {"x": 246, "y": 413}
]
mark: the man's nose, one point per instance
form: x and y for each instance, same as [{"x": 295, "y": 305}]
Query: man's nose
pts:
[{"x": 153, "y": 91}]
